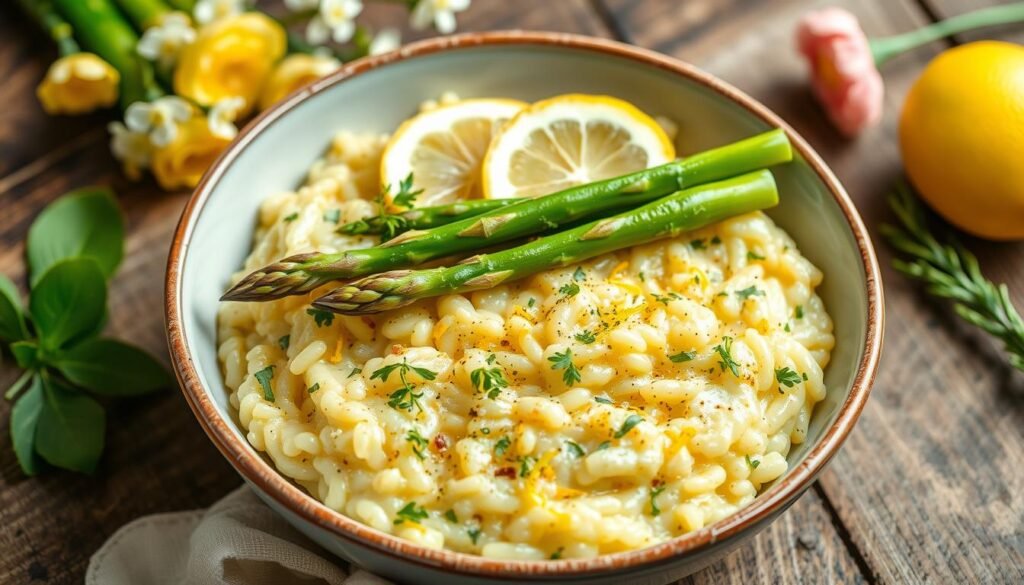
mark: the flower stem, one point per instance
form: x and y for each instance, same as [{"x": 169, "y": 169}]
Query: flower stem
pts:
[
  {"x": 54, "y": 25},
  {"x": 886, "y": 48},
  {"x": 18, "y": 385},
  {"x": 144, "y": 13},
  {"x": 100, "y": 28},
  {"x": 183, "y": 5}
]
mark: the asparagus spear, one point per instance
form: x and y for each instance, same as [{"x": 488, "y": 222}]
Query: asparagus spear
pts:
[
  {"x": 304, "y": 272},
  {"x": 421, "y": 218},
  {"x": 666, "y": 217}
]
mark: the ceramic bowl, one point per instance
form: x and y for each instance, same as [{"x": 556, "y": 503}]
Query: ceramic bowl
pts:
[{"x": 377, "y": 93}]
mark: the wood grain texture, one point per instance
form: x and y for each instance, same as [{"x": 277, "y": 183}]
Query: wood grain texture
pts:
[
  {"x": 928, "y": 486},
  {"x": 157, "y": 457}
]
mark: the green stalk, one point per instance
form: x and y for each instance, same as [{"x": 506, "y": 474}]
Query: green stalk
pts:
[
  {"x": 144, "y": 13},
  {"x": 305, "y": 272},
  {"x": 422, "y": 218},
  {"x": 667, "y": 217},
  {"x": 186, "y": 6},
  {"x": 886, "y": 48},
  {"x": 100, "y": 28},
  {"x": 60, "y": 31}
]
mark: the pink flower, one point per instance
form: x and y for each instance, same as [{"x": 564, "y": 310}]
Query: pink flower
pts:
[{"x": 843, "y": 71}]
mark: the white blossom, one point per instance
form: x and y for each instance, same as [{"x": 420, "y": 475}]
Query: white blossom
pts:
[
  {"x": 222, "y": 116},
  {"x": 163, "y": 42},
  {"x": 335, "y": 20},
  {"x": 439, "y": 12},
  {"x": 386, "y": 40},
  {"x": 159, "y": 118},
  {"x": 210, "y": 10},
  {"x": 133, "y": 149}
]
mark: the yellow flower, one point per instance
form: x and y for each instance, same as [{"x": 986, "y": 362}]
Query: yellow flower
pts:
[
  {"x": 183, "y": 162},
  {"x": 294, "y": 72},
  {"x": 77, "y": 84},
  {"x": 231, "y": 57}
]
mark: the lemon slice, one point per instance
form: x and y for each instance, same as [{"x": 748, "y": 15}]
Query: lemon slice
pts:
[
  {"x": 570, "y": 140},
  {"x": 444, "y": 147}
]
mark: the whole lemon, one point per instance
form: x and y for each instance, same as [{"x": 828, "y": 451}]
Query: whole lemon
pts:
[{"x": 962, "y": 138}]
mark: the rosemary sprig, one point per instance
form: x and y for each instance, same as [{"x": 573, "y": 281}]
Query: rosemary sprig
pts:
[{"x": 952, "y": 272}]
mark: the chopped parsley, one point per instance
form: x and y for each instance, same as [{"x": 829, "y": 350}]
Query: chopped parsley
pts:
[
  {"x": 265, "y": 377},
  {"x": 750, "y": 291},
  {"x": 321, "y": 317},
  {"x": 501, "y": 447},
  {"x": 406, "y": 195},
  {"x": 570, "y": 289},
  {"x": 291, "y": 217},
  {"x": 313, "y": 388},
  {"x": 557, "y": 554},
  {"x": 655, "y": 492},
  {"x": 603, "y": 400},
  {"x": 666, "y": 299},
  {"x": 604, "y": 445},
  {"x": 753, "y": 463},
  {"x": 804, "y": 376},
  {"x": 725, "y": 360},
  {"x": 587, "y": 336},
  {"x": 786, "y": 328},
  {"x": 490, "y": 381},
  {"x": 787, "y": 377},
  {"x": 410, "y": 513},
  {"x": 716, "y": 240},
  {"x": 284, "y": 342},
  {"x": 799, "y": 312},
  {"x": 563, "y": 361},
  {"x": 451, "y": 517},
  {"x": 355, "y": 371},
  {"x": 698, "y": 244},
  {"x": 530, "y": 303},
  {"x": 751, "y": 255},
  {"x": 683, "y": 356},
  {"x": 474, "y": 534},
  {"x": 526, "y": 465},
  {"x": 630, "y": 422},
  {"x": 418, "y": 441},
  {"x": 405, "y": 397},
  {"x": 332, "y": 215},
  {"x": 575, "y": 449},
  {"x": 578, "y": 275}
]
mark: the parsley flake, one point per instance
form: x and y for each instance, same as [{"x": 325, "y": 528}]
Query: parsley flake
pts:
[
  {"x": 451, "y": 517},
  {"x": 630, "y": 422},
  {"x": 698, "y": 244},
  {"x": 418, "y": 441},
  {"x": 265, "y": 377},
  {"x": 530, "y": 303},
  {"x": 321, "y": 317},
  {"x": 725, "y": 361},
  {"x": 405, "y": 397},
  {"x": 557, "y": 554},
  {"x": 354, "y": 372},
  {"x": 587, "y": 336},
  {"x": 291, "y": 217},
  {"x": 501, "y": 447},
  {"x": 490, "y": 381},
  {"x": 750, "y": 291},
  {"x": 575, "y": 449},
  {"x": 799, "y": 312},
  {"x": 563, "y": 361},
  {"x": 474, "y": 534},
  {"x": 284, "y": 342},
  {"x": 683, "y": 356},
  {"x": 411, "y": 513},
  {"x": 604, "y": 445},
  {"x": 787, "y": 377},
  {"x": 655, "y": 492},
  {"x": 313, "y": 388},
  {"x": 578, "y": 275},
  {"x": 526, "y": 465},
  {"x": 753, "y": 463},
  {"x": 603, "y": 400},
  {"x": 751, "y": 255},
  {"x": 570, "y": 289}
]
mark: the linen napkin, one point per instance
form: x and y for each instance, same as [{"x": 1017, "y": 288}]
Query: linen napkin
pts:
[{"x": 237, "y": 541}]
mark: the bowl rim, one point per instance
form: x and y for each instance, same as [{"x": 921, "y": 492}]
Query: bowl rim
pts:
[{"x": 256, "y": 470}]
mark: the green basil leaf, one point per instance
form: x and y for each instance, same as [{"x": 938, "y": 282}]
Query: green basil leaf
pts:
[
  {"x": 68, "y": 302},
  {"x": 26, "y": 354},
  {"x": 12, "y": 319},
  {"x": 70, "y": 429},
  {"x": 112, "y": 368},
  {"x": 86, "y": 223},
  {"x": 24, "y": 419}
]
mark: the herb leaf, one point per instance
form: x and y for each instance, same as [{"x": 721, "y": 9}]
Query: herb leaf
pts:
[
  {"x": 266, "y": 378},
  {"x": 570, "y": 289},
  {"x": 321, "y": 317},
  {"x": 683, "y": 356},
  {"x": 490, "y": 381},
  {"x": 579, "y": 275},
  {"x": 575, "y": 449},
  {"x": 586, "y": 337},
  {"x": 411, "y": 513},
  {"x": 750, "y": 291},
  {"x": 451, "y": 517},
  {"x": 526, "y": 465},
  {"x": 502, "y": 445},
  {"x": 406, "y": 195},
  {"x": 753, "y": 463},
  {"x": 24, "y": 420},
  {"x": 68, "y": 302},
  {"x": 12, "y": 318},
  {"x": 787, "y": 377},
  {"x": 419, "y": 443},
  {"x": 627, "y": 425},
  {"x": 284, "y": 342},
  {"x": 70, "y": 428},
  {"x": 655, "y": 492},
  {"x": 725, "y": 360},
  {"x": 603, "y": 400},
  {"x": 82, "y": 224},
  {"x": 112, "y": 368},
  {"x": 563, "y": 361}
]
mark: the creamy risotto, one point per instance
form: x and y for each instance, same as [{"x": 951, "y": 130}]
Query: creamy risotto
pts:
[{"x": 597, "y": 408}]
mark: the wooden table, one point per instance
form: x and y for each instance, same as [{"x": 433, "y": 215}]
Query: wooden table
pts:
[{"x": 929, "y": 487}]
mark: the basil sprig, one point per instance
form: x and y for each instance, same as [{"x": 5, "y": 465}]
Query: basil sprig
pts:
[{"x": 73, "y": 248}]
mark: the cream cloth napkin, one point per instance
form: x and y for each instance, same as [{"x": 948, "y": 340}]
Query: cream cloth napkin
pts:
[{"x": 237, "y": 541}]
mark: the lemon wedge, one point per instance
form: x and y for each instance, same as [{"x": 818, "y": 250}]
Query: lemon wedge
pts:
[
  {"x": 444, "y": 147},
  {"x": 570, "y": 140}
]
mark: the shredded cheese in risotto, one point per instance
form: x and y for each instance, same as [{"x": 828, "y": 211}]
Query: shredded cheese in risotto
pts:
[{"x": 586, "y": 410}]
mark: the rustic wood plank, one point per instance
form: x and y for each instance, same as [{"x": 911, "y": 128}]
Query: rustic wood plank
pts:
[
  {"x": 940, "y": 441},
  {"x": 157, "y": 458}
]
